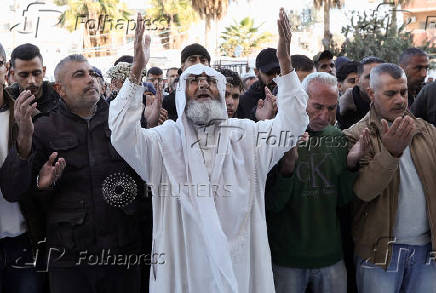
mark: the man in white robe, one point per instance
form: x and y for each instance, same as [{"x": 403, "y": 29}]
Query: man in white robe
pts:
[{"x": 208, "y": 174}]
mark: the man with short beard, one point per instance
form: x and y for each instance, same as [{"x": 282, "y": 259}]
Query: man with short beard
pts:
[
  {"x": 393, "y": 225},
  {"x": 415, "y": 64},
  {"x": 207, "y": 174},
  {"x": 95, "y": 204},
  {"x": 27, "y": 69},
  {"x": 233, "y": 91}
]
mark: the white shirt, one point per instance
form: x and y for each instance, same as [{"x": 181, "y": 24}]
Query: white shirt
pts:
[{"x": 11, "y": 219}]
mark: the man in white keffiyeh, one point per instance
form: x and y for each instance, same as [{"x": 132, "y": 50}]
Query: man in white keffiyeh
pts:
[{"x": 208, "y": 174}]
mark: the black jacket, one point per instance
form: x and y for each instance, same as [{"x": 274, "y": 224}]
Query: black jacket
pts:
[
  {"x": 352, "y": 107},
  {"x": 169, "y": 104},
  {"x": 78, "y": 214},
  {"x": 424, "y": 105},
  {"x": 11, "y": 183},
  {"x": 248, "y": 101}
]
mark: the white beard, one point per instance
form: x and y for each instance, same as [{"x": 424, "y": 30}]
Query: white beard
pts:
[{"x": 205, "y": 112}]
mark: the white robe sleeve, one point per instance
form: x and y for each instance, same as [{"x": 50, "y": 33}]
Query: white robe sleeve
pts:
[
  {"x": 276, "y": 136},
  {"x": 139, "y": 147}
]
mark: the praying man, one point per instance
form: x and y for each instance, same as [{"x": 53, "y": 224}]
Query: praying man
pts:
[{"x": 212, "y": 229}]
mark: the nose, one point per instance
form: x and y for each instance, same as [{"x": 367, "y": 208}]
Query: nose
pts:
[
  {"x": 324, "y": 115},
  {"x": 423, "y": 73},
  {"x": 203, "y": 84},
  {"x": 31, "y": 79}
]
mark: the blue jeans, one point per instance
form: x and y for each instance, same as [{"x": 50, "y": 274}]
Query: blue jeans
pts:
[
  {"x": 13, "y": 279},
  {"x": 331, "y": 279},
  {"x": 411, "y": 269}
]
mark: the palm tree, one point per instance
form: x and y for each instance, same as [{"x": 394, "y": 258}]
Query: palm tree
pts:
[
  {"x": 328, "y": 4},
  {"x": 244, "y": 35},
  {"x": 178, "y": 16},
  {"x": 96, "y": 37},
  {"x": 210, "y": 10}
]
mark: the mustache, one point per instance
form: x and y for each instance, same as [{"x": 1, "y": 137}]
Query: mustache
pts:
[{"x": 90, "y": 88}]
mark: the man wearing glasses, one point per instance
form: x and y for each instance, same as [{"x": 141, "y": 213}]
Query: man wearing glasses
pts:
[{"x": 207, "y": 174}]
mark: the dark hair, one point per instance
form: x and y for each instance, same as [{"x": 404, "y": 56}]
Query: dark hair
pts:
[
  {"x": 409, "y": 53},
  {"x": 69, "y": 58},
  {"x": 124, "y": 58},
  {"x": 345, "y": 69},
  {"x": 325, "y": 55},
  {"x": 302, "y": 63},
  {"x": 155, "y": 71},
  {"x": 25, "y": 52},
  {"x": 232, "y": 77},
  {"x": 172, "y": 68},
  {"x": 368, "y": 60}
]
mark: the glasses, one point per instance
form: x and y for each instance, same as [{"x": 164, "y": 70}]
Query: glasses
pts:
[{"x": 195, "y": 80}]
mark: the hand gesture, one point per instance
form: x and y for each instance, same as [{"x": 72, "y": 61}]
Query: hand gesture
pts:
[
  {"x": 397, "y": 137},
  {"x": 153, "y": 107},
  {"x": 23, "y": 112},
  {"x": 51, "y": 171},
  {"x": 265, "y": 108},
  {"x": 284, "y": 44},
  {"x": 141, "y": 53},
  {"x": 359, "y": 150},
  {"x": 163, "y": 116}
]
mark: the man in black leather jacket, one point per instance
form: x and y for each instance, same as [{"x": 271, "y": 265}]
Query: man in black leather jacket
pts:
[{"x": 98, "y": 217}]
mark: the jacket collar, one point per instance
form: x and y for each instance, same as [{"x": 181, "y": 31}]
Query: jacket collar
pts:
[{"x": 375, "y": 121}]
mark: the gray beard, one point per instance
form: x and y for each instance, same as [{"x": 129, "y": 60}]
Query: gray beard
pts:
[{"x": 205, "y": 112}]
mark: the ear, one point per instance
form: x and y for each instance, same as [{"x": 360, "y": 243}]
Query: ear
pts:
[
  {"x": 371, "y": 94},
  {"x": 59, "y": 89},
  {"x": 339, "y": 86},
  {"x": 256, "y": 72},
  {"x": 43, "y": 71}
]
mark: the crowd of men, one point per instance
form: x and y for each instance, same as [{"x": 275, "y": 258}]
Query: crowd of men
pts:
[{"x": 307, "y": 176}]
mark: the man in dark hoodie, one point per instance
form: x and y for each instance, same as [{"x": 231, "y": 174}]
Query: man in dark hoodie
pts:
[{"x": 354, "y": 103}]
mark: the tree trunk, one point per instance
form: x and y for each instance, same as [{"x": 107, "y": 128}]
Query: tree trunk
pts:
[
  {"x": 326, "y": 40},
  {"x": 207, "y": 25}
]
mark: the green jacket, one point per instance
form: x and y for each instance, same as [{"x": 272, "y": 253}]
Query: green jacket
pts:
[{"x": 303, "y": 226}]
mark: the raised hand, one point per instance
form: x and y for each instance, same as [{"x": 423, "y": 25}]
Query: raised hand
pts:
[
  {"x": 163, "y": 116},
  {"x": 359, "y": 150},
  {"x": 153, "y": 109},
  {"x": 397, "y": 137},
  {"x": 284, "y": 44},
  {"x": 141, "y": 53},
  {"x": 23, "y": 112},
  {"x": 51, "y": 171},
  {"x": 265, "y": 108}
]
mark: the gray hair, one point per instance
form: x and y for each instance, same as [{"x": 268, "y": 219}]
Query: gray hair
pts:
[
  {"x": 61, "y": 64},
  {"x": 2, "y": 53},
  {"x": 393, "y": 70},
  {"x": 322, "y": 77}
]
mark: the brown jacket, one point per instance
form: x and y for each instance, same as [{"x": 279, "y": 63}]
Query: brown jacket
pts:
[{"x": 377, "y": 187}]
